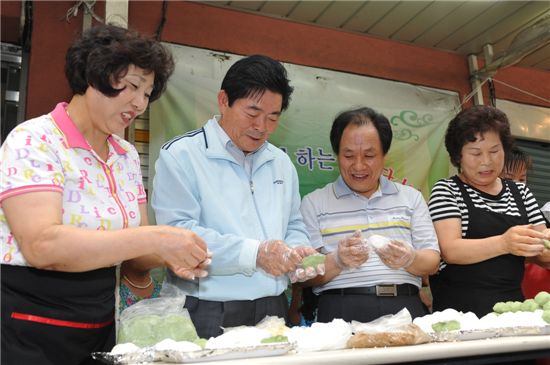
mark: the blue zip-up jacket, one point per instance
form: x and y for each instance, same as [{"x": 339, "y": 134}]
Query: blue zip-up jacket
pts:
[{"x": 198, "y": 185}]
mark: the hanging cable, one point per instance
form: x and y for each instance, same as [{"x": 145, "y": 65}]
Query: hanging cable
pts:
[
  {"x": 160, "y": 28},
  {"x": 88, "y": 7},
  {"x": 492, "y": 94},
  {"x": 26, "y": 34},
  {"x": 470, "y": 95},
  {"x": 522, "y": 91}
]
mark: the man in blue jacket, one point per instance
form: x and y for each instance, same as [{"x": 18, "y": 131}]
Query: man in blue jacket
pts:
[{"x": 239, "y": 193}]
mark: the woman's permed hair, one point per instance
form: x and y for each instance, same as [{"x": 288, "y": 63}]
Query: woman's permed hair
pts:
[
  {"x": 252, "y": 76},
  {"x": 361, "y": 116},
  {"x": 103, "y": 53},
  {"x": 474, "y": 121}
]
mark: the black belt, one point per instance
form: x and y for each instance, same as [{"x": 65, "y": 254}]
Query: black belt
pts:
[{"x": 378, "y": 290}]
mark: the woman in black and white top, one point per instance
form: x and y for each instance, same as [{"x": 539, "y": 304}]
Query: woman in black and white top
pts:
[{"x": 486, "y": 226}]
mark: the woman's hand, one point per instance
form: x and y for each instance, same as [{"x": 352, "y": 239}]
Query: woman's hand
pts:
[
  {"x": 184, "y": 252},
  {"x": 523, "y": 241},
  {"x": 544, "y": 258},
  {"x": 546, "y": 239}
]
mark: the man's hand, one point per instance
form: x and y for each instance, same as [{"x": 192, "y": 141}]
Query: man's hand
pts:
[
  {"x": 352, "y": 251},
  {"x": 306, "y": 272},
  {"x": 276, "y": 258},
  {"x": 397, "y": 254}
]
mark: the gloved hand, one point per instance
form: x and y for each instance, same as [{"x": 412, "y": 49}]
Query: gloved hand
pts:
[
  {"x": 276, "y": 258},
  {"x": 306, "y": 272},
  {"x": 352, "y": 251},
  {"x": 397, "y": 254}
]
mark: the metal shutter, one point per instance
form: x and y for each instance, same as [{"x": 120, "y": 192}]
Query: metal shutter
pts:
[{"x": 538, "y": 178}]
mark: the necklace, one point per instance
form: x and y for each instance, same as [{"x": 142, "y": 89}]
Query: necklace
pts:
[{"x": 139, "y": 286}]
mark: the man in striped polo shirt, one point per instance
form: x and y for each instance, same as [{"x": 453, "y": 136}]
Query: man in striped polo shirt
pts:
[{"x": 361, "y": 282}]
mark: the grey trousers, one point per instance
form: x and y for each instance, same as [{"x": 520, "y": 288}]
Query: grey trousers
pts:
[{"x": 210, "y": 316}]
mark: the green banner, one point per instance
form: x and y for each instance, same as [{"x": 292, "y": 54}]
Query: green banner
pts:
[
  {"x": 417, "y": 156},
  {"x": 418, "y": 116}
]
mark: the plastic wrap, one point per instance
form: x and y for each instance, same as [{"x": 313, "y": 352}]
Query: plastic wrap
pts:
[
  {"x": 387, "y": 331},
  {"x": 152, "y": 320}
]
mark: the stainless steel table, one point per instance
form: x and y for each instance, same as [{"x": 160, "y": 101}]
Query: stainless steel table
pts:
[{"x": 486, "y": 351}]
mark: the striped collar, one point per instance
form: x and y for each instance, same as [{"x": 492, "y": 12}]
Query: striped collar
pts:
[{"x": 385, "y": 187}]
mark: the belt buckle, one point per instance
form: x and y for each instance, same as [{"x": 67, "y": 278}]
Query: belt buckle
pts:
[{"x": 386, "y": 290}]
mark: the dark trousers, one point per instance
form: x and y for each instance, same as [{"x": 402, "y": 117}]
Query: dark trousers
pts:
[
  {"x": 366, "y": 308},
  {"x": 210, "y": 316}
]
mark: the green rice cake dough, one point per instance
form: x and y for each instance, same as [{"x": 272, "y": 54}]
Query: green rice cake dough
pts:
[{"x": 313, "y": 261}]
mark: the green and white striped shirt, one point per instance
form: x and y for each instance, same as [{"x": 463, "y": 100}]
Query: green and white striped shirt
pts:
[{"x": 396, "y": 211}]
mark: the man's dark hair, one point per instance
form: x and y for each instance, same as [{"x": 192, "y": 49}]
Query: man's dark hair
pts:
[
  {"x": 467, "y": 124},
  {"x": 103, "y": 53},
  {"x": 253, "y": 75},
  {"x": 517, "y": 159},
  {"x": 361, "y": 116}
]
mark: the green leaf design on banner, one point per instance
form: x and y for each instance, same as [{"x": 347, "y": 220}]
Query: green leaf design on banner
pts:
[
  {"x": 410, "y": 119},
  {"x": 404, "y": 134}
]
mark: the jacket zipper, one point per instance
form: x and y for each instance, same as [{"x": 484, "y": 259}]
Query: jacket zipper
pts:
[{"x": 251, "y": 183}]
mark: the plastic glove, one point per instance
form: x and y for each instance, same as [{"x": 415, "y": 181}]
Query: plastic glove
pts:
[
  {"x": 305, "y": 274},
  {"x": 309, "y": 272},
  {"x": 397, "y": 254},
  {"x": 352, "y": 251},
  {"x": 276, "y": 258}
]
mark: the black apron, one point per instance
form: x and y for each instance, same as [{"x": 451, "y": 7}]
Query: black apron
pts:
[
  {"x": 52, "y": 317},
  {"x": 477, "y": 287}
]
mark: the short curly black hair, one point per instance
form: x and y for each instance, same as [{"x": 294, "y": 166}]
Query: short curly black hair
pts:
[
  {"x": 467, "y": 124},
  {"x": 103, "y": 53}
]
